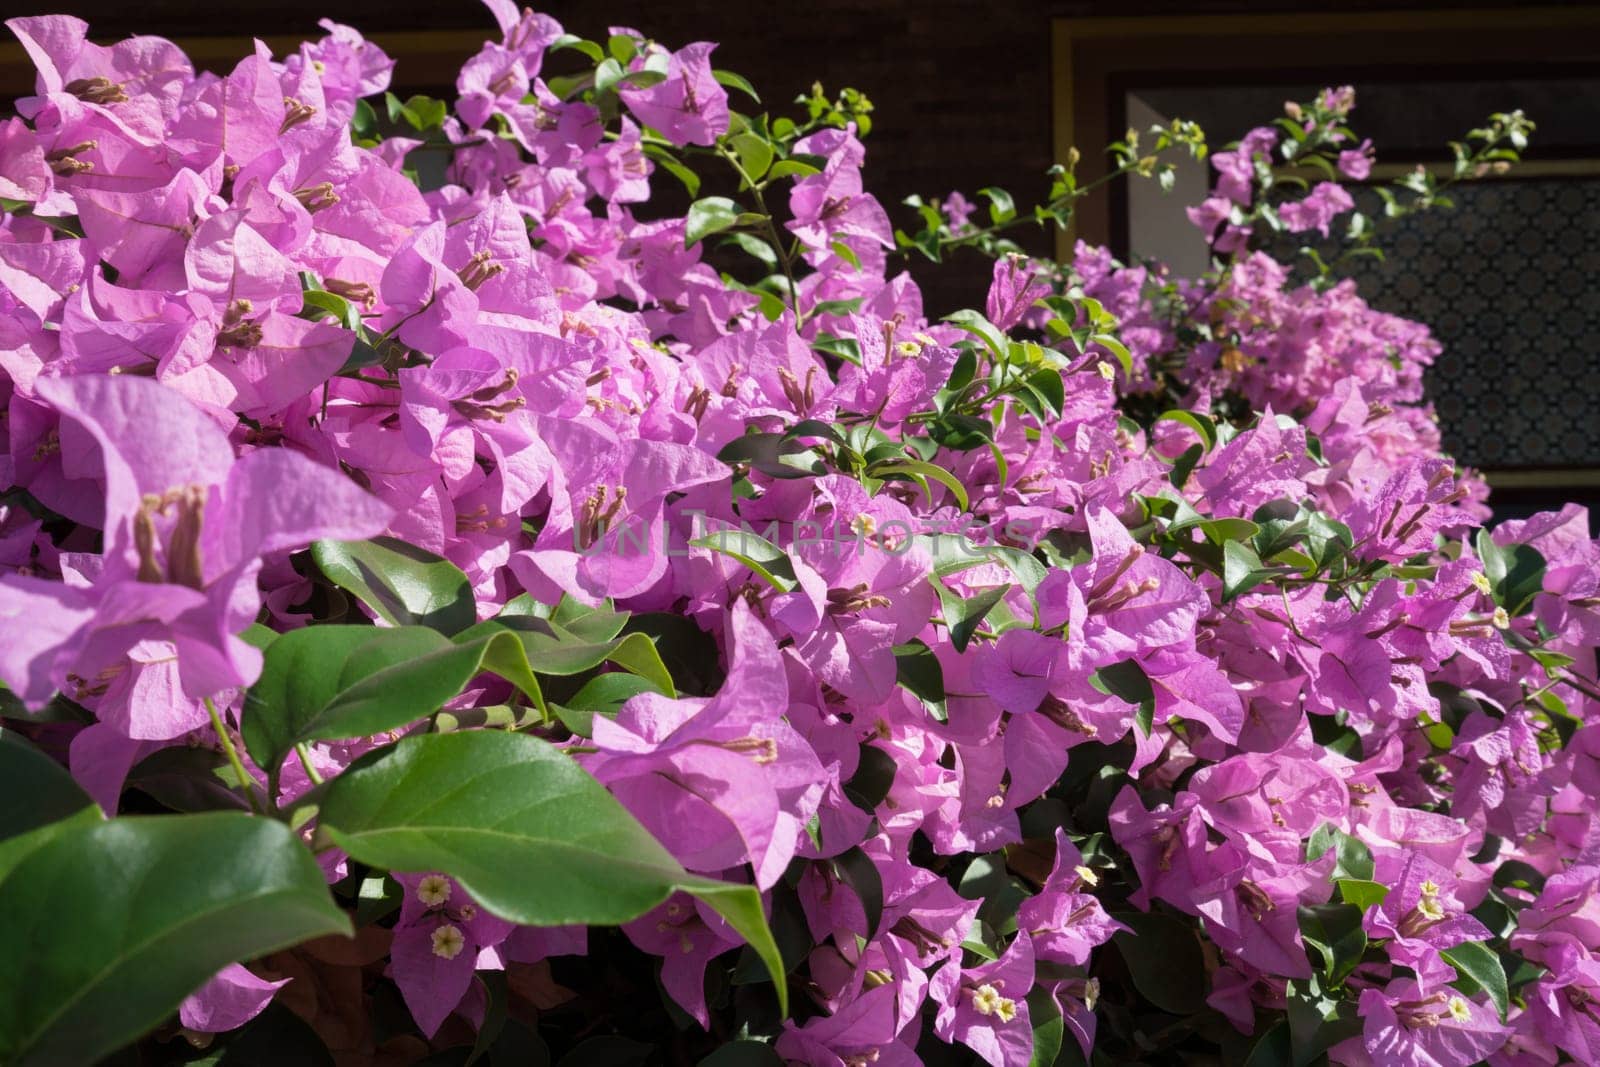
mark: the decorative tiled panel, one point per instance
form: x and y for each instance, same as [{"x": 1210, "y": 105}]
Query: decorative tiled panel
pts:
[{"x": 1509, "y": 281}]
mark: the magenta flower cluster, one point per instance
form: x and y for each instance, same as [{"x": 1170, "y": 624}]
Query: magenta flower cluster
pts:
[{"x": 1250, "y": 674}]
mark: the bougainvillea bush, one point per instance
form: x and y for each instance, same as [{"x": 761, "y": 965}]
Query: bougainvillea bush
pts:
[{"x": 525, "y": 581}]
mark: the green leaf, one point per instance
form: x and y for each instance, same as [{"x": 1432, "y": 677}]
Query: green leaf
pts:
[
  {"x": 622, "y": 47},
  {"x": 548, "y": 647},
  {"x": 1478, "y": 964},
  {"x": 1046, "y": 384},
  {"x": 1202, "y": 424},
  {"x": 1354, "y": 859},
  {"x": 743, "y": 1054},
  {"x": 969, "y": 613},
  {"x": 607, "y": 73},
  {"x": 188, "y": 779},
  {"x": 403, "y": 584},
  {"x": 1515, "y": 572},
  {"x": 1362, "y": 892},
  {"x": 729, "y": 79},
  {"x": 855, "y": 869},
  {"x": 764, "y": 559},
  {"x": 917, "y": 470},
  {"x": 1048, "y": 1028},
  {"x": 1128, "y": 681},
  {"x": 578, "y": 44},
  {"x": 917, "y": 668},
  {"x": 1164, "y": 959},
  {"x": 792, "y": 168},
  {"x": 425, "y": 113},
  {"x": 109, "y": 925},
  {"x": 1001, "y": 207},
  {"x": 1336, "y": 932},
  {"x": 1273, "y": 1049},
  {"x": 873, "y": 779},
  {"x": 754, "y": 153},
  {"x": 319, "y": 304},
  {"x": 846, "y": 253},
  {"x": 602, "y": 695},
  {"x": 990, "y": 334},
  {"x": 37, "y": 790},
  {"x": 530, "y": 835},
  {"x": 773, "y": 454},
  {"x": 675, "y": 167},
  {"x": 708, "y": 216},
  {"x": 329, "y": 682},
  {"x": 1318, "y": 1020},
  {"x": 1242, "y": 569}
]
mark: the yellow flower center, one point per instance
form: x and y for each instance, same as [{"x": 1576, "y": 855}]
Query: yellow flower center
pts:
[
  {"x": 433, "y": 890},
  {"x": 448, "y": 942}
]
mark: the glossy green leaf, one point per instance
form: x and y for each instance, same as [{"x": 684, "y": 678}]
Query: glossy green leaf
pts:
[
  {"x": 111, "y": 924},
  {"x": 664, "y": 159},
  {"x": 601, "y": 695},
  {"x": 1200, "y": 423},
  {"x": 1272, "y": 1049},
  {"x": 754, "y": 153},
  {"x": 731, "y": 80},
  {"x": 1164, "y": 958},
  {"x": 919, "y": 470},
  {"x": 328, "y": 682},
  {"x": 1515, "y": 572},
  {"x": 35, "y": 790},
  {"x": 707, "y": 216},
  {"x": 969, "y": 612},
  {"x": 1335, "y": 932},
  {"x": 1362, "y": 892},
  {"x": 1318, "y": 1020},
  {"x": 325, "y": 305},
  {"x": 530, "y": 835},
  {"x": 1478, "y": 967},
  {"x": 743, "y": 1054},
  {"x": 764, "y": 559},
  {"x": 404, "y": 585},
  {"x": 1044, "y": 1014},
  {"x": 547, "y": 647},
  {"x": 917, "y": 668},
  {"x": 855, "y": 869},
  {"x": 1129, "y": 681},
  {"x": 1353, "y": 859},
  {"x": 990, "y": 334},
  {"x": 1242, "y": 569},
  {"x": 792, "y": 168}
]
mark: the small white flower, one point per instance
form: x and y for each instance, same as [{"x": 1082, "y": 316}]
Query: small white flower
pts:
[
  {"x": 1459, "y": 1011},
  {"x": 448, "y": 942},
  {"x": 986, "y": 1000},
  {"x": 433, "y": 890}
]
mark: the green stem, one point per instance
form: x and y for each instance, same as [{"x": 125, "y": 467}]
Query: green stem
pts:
[
  {"x": 246, "y": 782},
  {"x": 773, "y": 237},
  {"x": 305, "y": 761}
]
